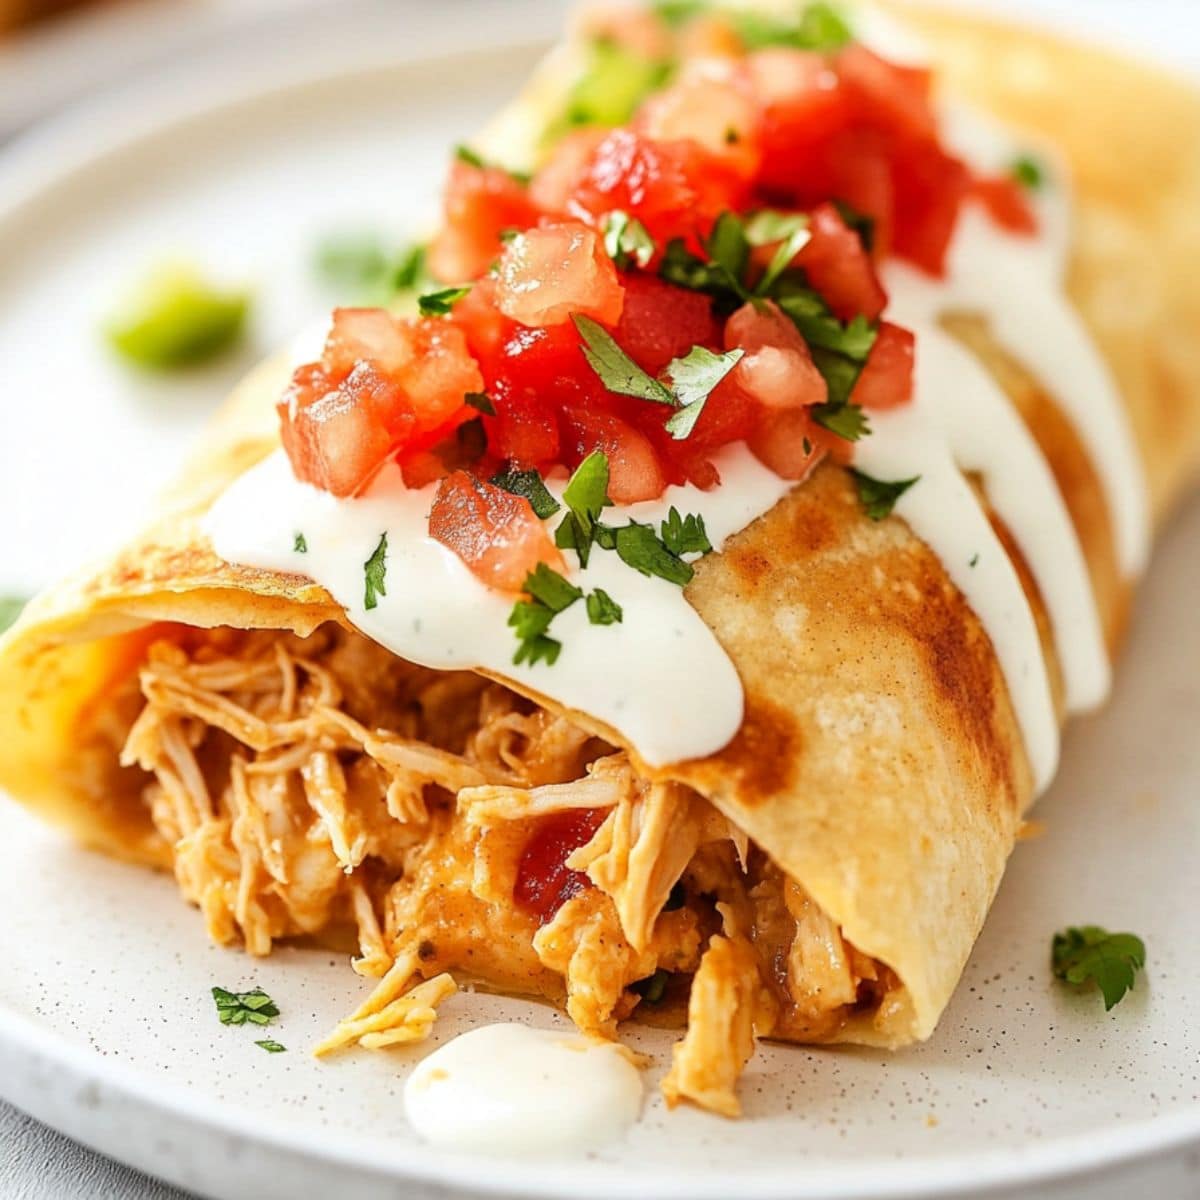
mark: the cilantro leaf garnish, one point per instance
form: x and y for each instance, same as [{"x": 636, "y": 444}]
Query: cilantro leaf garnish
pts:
[
  {"x": 439, "y": 303},
  {"x": 694, "y": 376},
  {"x": 238, "y": 1008},
  {"x": 271, "y": 1046},
  {"x": 616, "y": 80},
  {"x": 538, "y": 649},
  {"x": 790, "y": 230},
  {"x": 375, "y": 571},
  {"x": 819, "y": 327},
  {"x": 819, "y": 27},
  {"x": 1028, "y": 172},
  {"x": 300, "y": 545},
  {"x": 550, "y": 588},
  {"x": 616, "y": 370},
  {"x": 846, "y": 420},
  {"x": 10, "y": 610},
  {"x": 529, "y": 619},
  {"x": 862, "y": 224},
  {"x": 585, "y": 495},
  {"x": 409, "y": 269},
  {"x": 639, "y": 547},
  {"x": 481, "y": 402},
  {"x": 528, "y": 484},
  {"x": 465, "y": 154},
  {"x": 1090, "y": 954},
  {"x": 602, "y": 609},
  {"x": 685, "y": 535},
  {"x": 627, "y": 240},
  {"x": 879, "y": 496}
]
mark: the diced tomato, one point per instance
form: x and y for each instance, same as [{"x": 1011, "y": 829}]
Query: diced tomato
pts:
[
  {"x": 786, "y": 441},
  {"x": 715, "y": 109},
  {"x": 549, "y": 273},
  {"x": 480, "y": 204},
  {"x": 839, "y": 267},
  {"x": 366, "y": 334},
  {"x": 524, "y": 430},
  {"x": 777, "y": 369},
  {"x": 441, "y": 374},
  {"x": 674, "y": 188},
  {"x": 886, "y": 380},
  {"x": 660, "y": 322},
  {"x": 888, "y": 95},
  {"x": 338, "y": 434},
  {"x": 554, "y": 184},
  {"x": 930, "y": 187},
  {"x": 1006, "y": 203},
  {"x": 486, "y": 328},
  {"x": 634, "y": 472},
  {"x": 495, "y": 533},
  {"x": 544, "y": 882}
]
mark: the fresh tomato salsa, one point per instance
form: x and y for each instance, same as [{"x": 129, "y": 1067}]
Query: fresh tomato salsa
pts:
[{"x": 696, "y": 270}]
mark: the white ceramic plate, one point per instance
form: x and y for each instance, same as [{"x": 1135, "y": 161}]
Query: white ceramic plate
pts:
[{"x": 107, "y": 1030}]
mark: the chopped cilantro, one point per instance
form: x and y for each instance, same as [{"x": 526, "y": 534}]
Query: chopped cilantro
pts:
[
  {"x": 352, "y": 258},
  {"x": 481, "y": 402},
  {"x": 678, "y": 12},
  {"x": 819, "y": 27},
  {"x": 238, "y": 1008},
  {"x": 439, "y": 304},
  {"x": 538, "y": 649},
  {"x": 638, "y": 546},
  {"x": 879, "y": 496},
  {"x": 271, "y": 1046},
  {"x": 375, "y": 570},
  {"x": 300, "y": 545},
  {"x": 602, "y": 609},
  {"x": 550, "y": 588},
  {"x": 409, "y": 269},
  {"x": 1028, "y": 172},
  {"x": 974, "y": 560},
  {"x": 615, "y": 82},
  {"x": 175, "y": 318},
  {"x": 627, "y": 240},
  {"x": 616, "y": 370},
  {"x": 653, "y": 987},
  {"x": 465, "y": 154},
  {"x": 10, "y": 610},
  {"x": 530, "y": 619},
  {"x": 769, "y": 226},
  {"x": 1090, "y": 954},
  {"x": 694, "y": 376},
  {"x": 585, "y": 495},
  {"x": 819, "y": 327},
  {"x": 846, "y": 420},
  {"x": 685, "y": 535},
  {"x": 528, "y": 484}
]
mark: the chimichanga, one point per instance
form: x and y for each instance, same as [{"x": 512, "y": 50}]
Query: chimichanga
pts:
[{"x": 800, "y": 441}]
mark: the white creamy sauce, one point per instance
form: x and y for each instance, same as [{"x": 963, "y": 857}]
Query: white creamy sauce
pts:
[
  {"x": 521, "y": 1092},
  {"x": 659, "y": 677}
]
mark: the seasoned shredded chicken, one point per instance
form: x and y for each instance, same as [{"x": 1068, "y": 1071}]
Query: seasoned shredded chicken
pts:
[{"x": 323, "y": 787}]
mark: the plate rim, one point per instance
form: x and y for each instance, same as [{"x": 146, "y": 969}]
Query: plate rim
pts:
[{"x": 84, "y": 135}]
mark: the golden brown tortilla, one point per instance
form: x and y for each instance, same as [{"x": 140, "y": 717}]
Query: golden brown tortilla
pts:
[{"x": 880, "y": 763}]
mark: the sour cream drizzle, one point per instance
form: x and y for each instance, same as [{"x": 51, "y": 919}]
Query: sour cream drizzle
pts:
[
  {"x": 514, "y": 1091},
  {"x": 660, "y": 678}
]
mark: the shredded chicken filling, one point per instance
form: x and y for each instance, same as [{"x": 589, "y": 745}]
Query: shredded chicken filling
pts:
[{"x": 323, "y": 787}]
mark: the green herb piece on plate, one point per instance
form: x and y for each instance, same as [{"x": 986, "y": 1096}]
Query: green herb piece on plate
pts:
[
  {"x": 239, "y": 1008},
  {"x": 175, "y": 318},
  {"x": 1089, "y": 954}
]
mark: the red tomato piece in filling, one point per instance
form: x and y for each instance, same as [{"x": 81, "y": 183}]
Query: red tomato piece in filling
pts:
[
  {"x": 549, "y": 273},
  {"x": 886, "y": 380},
  {"x": 497, "y": 534},
  {"x": 777, "y": 369},
  {"x": 480, "y": 204},
  {"x": 544, "y": 882}
]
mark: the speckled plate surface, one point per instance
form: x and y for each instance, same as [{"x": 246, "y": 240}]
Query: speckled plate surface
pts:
[{"x": 107, "y": 1030}]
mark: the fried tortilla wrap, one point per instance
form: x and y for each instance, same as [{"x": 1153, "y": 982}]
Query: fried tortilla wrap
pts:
[{"x": 823, "y": 877}]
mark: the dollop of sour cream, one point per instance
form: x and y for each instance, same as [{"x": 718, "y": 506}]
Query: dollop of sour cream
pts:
[{"x": 514, "y": 1091}]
